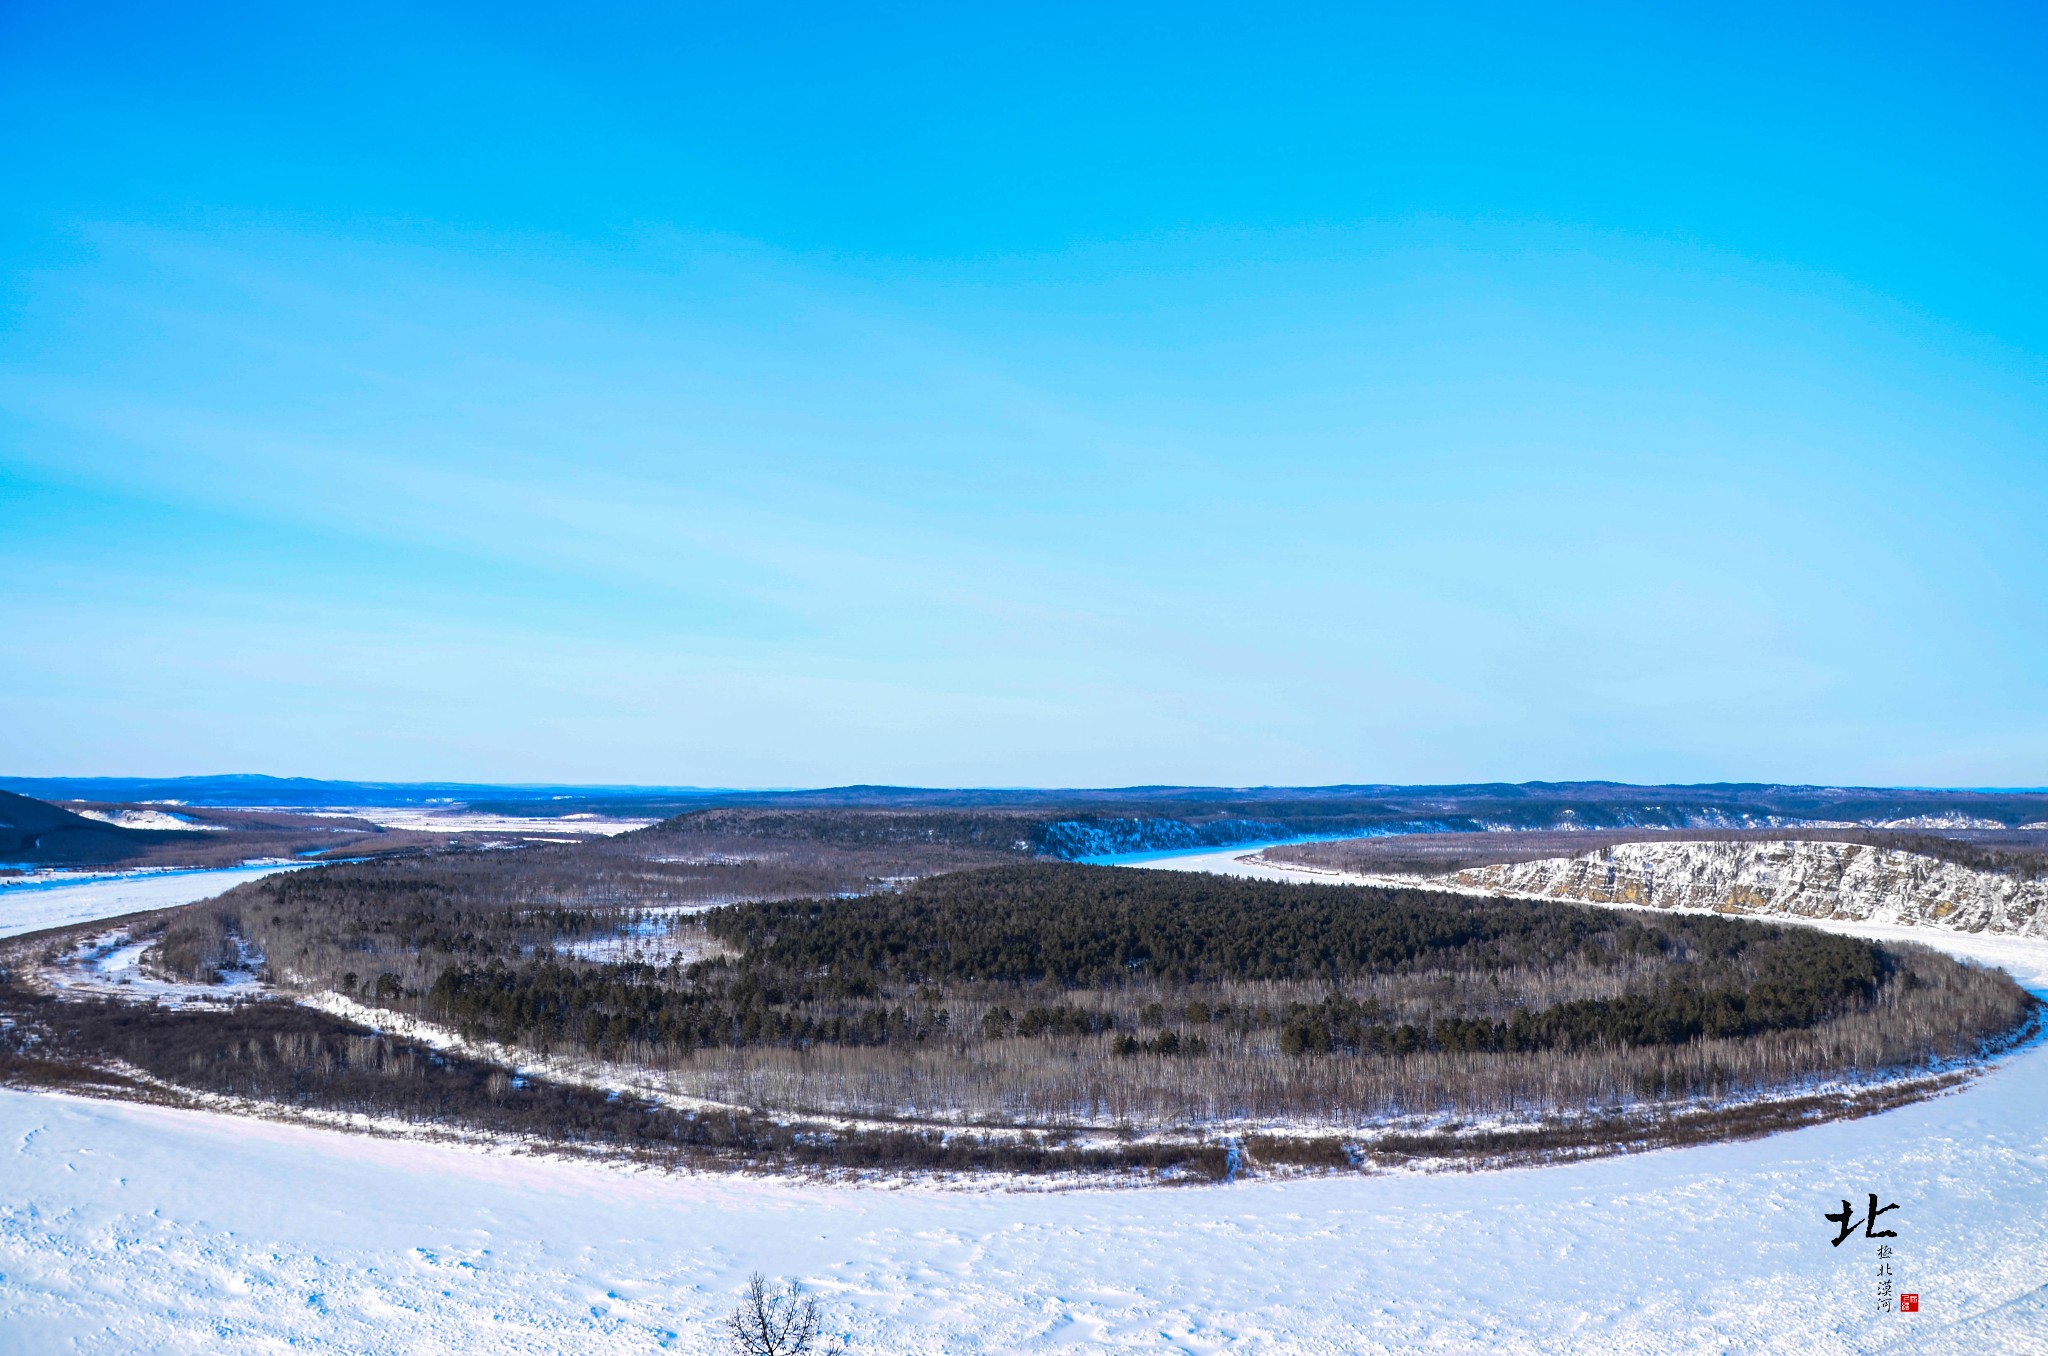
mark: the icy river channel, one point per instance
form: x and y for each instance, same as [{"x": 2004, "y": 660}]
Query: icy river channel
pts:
[
  {"x": 130, "y": 1228},
  {"x": 32, "y": 903}
]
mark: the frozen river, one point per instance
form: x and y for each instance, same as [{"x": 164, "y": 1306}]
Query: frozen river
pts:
[
  {"x": 32, "y": 903},
  {"x": 126, "y": 1228}
]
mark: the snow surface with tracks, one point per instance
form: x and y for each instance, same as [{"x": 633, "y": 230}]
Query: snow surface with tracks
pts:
[{"x": 133, "y": 1228}]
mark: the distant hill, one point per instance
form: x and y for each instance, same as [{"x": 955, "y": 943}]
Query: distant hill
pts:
[
  {"x": 1080, "y": 823},
  {"x": 249, "y": 789},
  {"x": 34, "y": 833}
]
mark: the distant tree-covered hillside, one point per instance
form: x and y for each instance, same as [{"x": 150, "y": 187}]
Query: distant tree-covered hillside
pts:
[{"x": 33, "y": 833}]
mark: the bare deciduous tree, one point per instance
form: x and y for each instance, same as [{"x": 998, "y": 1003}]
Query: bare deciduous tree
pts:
[{"x": 771, "y": 1324}]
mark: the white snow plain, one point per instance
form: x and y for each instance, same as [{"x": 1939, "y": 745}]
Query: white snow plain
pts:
[
  {"x": 467, "y": 821},
  {"x": 133, "y": 1228},
  {"x": 154, "y": 820}
]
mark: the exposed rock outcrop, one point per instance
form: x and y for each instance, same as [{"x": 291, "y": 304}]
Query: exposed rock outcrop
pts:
[{"x": 1799, "y": 879}]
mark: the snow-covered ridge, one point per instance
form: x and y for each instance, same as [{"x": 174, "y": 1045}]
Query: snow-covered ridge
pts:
[
  {"x": 154, "y": 820},
  {"x": 1845, "y": 881}
]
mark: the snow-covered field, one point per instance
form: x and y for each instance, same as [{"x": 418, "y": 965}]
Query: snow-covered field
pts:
[
  {"x": 129, "y": 1228},
  {"x": 466, "y": 821},
  {"x": 154, "y": 820},
  {"x": 32, "y": 903}
]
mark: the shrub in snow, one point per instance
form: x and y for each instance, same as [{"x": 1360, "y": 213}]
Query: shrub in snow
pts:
[{"x": 770, "y": 1324}]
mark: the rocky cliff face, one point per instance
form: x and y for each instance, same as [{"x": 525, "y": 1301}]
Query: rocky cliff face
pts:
[{"x": 1807, "y": 880}]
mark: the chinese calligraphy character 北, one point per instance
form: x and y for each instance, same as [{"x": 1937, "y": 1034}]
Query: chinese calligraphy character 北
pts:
[{"x": 1846, "y": 1217}]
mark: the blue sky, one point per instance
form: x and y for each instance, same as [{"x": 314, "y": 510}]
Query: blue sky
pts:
[{"x": 690, "y": 395}]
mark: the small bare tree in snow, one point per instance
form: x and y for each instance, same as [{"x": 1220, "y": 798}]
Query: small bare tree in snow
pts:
[{"x": 771, "y": 1324}]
